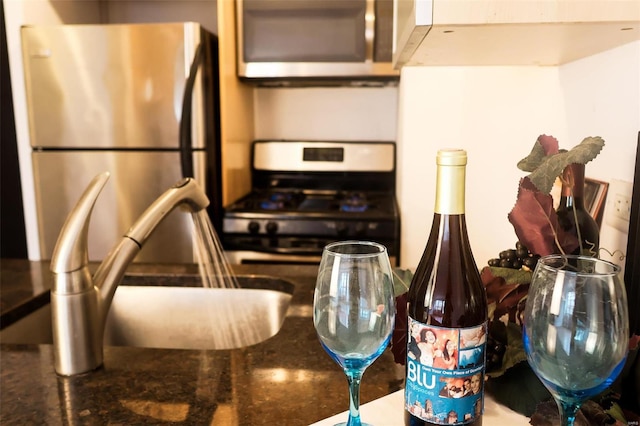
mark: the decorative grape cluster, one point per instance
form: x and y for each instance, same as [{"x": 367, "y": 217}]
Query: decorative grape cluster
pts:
[
  {"x": 516, "y": 258},
  {"x": 495, "y": 353}
]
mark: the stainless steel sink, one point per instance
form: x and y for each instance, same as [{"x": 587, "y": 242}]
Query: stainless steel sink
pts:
[{"x": 164, "y": 311}]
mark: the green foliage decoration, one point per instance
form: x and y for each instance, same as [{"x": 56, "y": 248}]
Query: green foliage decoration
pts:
[{"x": 546, "y": 167}]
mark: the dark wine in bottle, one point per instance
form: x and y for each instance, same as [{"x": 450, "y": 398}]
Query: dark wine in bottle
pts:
[
  {"x": 572, "y": 216},
  {"x": 447, "y": 309}
]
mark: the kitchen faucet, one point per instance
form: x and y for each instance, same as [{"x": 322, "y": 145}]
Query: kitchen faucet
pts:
[{"x": 80, "y": 302}]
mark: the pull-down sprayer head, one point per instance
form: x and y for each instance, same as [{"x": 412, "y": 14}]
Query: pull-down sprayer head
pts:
[{"x": 80, "y": 302}]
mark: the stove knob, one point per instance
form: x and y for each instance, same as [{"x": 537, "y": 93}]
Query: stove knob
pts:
[
  {"x": 342, "y": 229},
  {"x": 272, "y": 227},
  {"x": 254, "y": 227},
  {"x": 361, "y": 229}
]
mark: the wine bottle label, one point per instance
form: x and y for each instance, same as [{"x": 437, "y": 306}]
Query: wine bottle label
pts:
[{"x": 445, "y": 373}]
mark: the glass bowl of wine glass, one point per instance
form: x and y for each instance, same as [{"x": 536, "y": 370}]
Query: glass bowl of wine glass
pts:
[
  {"x": 576, "y": 328},
  {"x": 354, "y": 309}
]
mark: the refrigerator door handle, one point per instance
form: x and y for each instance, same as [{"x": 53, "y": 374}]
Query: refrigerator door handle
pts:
[{"x": 186, "y": 159}]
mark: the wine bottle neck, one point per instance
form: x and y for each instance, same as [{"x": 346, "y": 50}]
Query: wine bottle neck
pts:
[
  {"x": 572, "y": 186},
  {"x": 450, "y": 182},
  {"x": 573, "y": 181},
  {"x": 570, "y": 202}
]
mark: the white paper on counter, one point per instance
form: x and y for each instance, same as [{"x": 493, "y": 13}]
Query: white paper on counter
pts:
[{"x": 388, "y": 411}]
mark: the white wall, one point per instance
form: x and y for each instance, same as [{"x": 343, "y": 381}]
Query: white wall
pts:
[
  {"x": 326, "y": 113},
  {"x": 496, "y": 113},
  {"x": 604, "y": 94}
]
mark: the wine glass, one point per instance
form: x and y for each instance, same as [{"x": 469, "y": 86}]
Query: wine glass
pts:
[
  {"x": 354, "y": 309},
  {"x": 576, "y": 328}
]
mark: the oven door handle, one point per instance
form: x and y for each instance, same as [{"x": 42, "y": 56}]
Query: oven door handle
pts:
[{"x": 305, "y": 251}]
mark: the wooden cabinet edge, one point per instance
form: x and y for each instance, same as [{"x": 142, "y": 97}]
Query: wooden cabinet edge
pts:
[
  {"x": 513, "y": 32},
  {"x": 236, "y": 111}
]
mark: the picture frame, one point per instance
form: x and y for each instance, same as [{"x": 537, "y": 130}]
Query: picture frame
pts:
[{"x": 595, "y": 194}]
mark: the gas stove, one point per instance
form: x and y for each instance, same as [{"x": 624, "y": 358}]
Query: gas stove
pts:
[{"x": 308, "y": 194}]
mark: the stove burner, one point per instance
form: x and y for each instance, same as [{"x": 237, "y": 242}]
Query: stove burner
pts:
[
  {"x": 355, "y": 202},
  {"x": 280, "y": 196},
  {"x": 271, "y": 205},
  {"x": 277, "y": 201}
]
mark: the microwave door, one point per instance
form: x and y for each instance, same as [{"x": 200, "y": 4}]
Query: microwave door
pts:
[{"x": 304, "y": 40}]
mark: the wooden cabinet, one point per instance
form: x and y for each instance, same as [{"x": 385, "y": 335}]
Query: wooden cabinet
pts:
[
  {"x": 236, "y": 111},
  {"x": 510, "y": 32}
]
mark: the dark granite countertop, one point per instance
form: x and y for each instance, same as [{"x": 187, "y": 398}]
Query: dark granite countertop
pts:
[{"x": 287, "y": 379}]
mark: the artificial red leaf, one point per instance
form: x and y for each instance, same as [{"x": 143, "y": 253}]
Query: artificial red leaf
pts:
[
  {"x": 506, "y": 295},
  {"x": 400, "y": 331},
  {"x": 536, "y": 223},
  {"x": 513, "y": 303},
  {"x": 546, "y": 414},
  {"x": 634, "y": 340},
  {"x": 513, "y": 276},
  {"x": 495, "y": 287},
  {"x": 549, "y": 144}
]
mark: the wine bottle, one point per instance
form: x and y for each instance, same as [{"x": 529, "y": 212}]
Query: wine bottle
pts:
[
  {"x": 447, "y": 314},
  {"x": 572, "y": 216}
]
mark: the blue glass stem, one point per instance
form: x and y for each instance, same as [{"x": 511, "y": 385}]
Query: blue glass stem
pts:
[
  {"x": 354, "y": 377},
  {"x": 568, "y": 412}
]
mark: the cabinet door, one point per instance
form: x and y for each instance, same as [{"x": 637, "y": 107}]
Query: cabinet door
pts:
[{"x": 509, "y": 32}]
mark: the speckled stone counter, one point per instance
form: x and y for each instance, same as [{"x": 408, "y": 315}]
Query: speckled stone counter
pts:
[{"x": 285, "y": 380}]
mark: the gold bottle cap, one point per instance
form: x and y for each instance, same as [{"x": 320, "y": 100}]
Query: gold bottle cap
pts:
[
  {"x": 451, "y": 157},
  {"x": 450, "y": 178}
]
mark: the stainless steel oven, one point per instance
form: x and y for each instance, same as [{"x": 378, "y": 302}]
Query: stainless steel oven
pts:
[{"x": 307, "y": 194}]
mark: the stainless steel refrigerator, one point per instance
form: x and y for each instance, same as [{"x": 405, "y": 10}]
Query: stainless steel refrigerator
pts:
[{"x": 137, "y": 100}]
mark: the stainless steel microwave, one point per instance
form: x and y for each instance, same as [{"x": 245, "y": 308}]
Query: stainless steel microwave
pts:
[{"x": 297, "y": 41}]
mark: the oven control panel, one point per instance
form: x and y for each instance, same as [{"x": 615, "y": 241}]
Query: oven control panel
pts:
[{"x": 324, "y": 156}]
